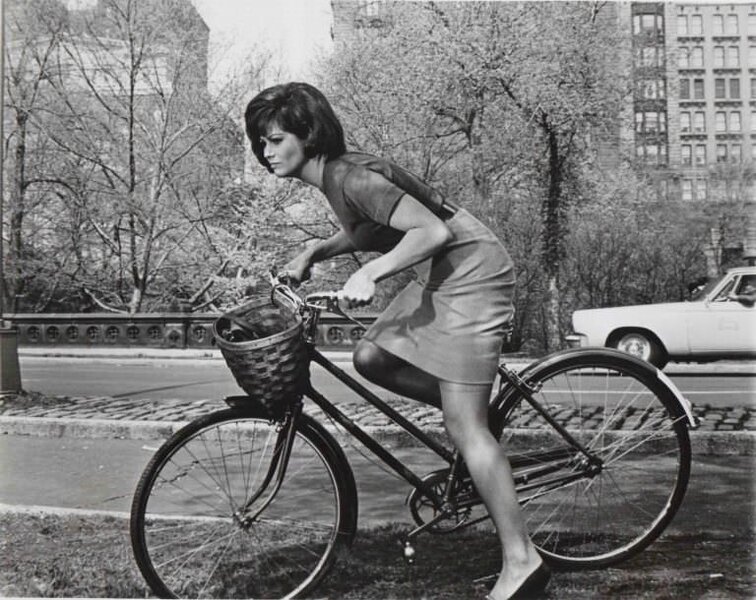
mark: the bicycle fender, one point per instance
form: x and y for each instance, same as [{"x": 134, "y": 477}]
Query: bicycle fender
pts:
[{"x": 685, "y": 406}]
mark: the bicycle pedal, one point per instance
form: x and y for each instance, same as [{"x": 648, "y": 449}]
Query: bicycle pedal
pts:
[{"x": 409, "y": 552}]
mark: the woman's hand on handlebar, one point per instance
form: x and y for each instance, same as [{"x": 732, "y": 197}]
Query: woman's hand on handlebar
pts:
[
  {"x": 359, "y": 290},
  {"x": 297, "y": 270}
]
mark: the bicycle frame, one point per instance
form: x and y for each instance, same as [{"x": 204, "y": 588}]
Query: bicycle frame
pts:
[
  {"x": 540, "y": 463},
  {"x": 543, "y": 463}
]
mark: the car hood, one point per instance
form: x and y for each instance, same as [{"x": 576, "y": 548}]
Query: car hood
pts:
[{"x": 644, "y": 309}]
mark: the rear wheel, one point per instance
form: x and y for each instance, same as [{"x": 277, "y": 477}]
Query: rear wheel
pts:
[
  {"x": 191, "y": 533},
  {"x": 586, "y": 516}
]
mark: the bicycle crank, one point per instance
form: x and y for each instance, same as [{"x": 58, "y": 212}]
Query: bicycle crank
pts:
[{"x": 425, "y": 512}]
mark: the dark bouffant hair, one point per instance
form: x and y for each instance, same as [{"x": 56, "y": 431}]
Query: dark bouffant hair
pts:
[{"x": 298, "y": 108}]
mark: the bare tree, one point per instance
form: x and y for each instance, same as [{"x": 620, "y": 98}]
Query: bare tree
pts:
[{"x": 496, "y": 103}]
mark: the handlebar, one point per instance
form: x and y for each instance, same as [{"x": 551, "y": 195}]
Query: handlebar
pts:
[
  {"x": 323, "y": 300},
  {"x": 313, "y": 303}
]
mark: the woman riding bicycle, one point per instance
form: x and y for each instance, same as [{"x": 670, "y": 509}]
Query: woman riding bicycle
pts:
[{"x": 439, "y": 339}]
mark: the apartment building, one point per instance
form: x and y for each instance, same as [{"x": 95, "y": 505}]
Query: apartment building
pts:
[{"x": 694, "y": 104}]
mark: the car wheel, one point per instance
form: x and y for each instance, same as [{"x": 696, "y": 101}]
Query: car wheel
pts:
[{"x": 641, "y": 345}]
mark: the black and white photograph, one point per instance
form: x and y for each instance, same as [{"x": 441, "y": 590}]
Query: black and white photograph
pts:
[{"x": 378, "y": 299}]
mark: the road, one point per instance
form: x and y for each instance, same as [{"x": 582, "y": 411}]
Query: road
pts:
[{"x": 197, "y": 379}]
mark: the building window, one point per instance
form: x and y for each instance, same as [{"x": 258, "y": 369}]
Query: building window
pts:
[
  {"x": 721, "y": 153},
  {"x": 651, "y": 89},
  {"x": 719, "y": 57},
  {"x": 752, "y": 24},
  {"x": 720, "y": 122},
  {"x": 683, "y": 61},
  {"x": 732, "y": 25},
  {"x": 717, "y": 25},
  {"x": 698, "y": 89},
  {"x": 733, "y": 57},
  {"x": 686, "y": 187},
  {"x": 696, "y": 58},
  {"x": 685, "y": 89},
  {"x": 699, "y": 122},
  {"x": 735, "y": 152},
  {"x": 751, "y": 55},
  {"x": 684, "y": 122},
  {"x": 682, "y": 24},
  {"x": 719, "y": 88},
  {"x": 735, "y": 121},
  {"x": 735, "y": 88},
  {"x": 753, "y": 123},
  {"x": 700, "y": 155},
  {"x": 650, "y": 56},
  {"x": 648, "y": 23},
  {"x": 700, "y": 189},
  {"x": 650, "y": 122},
  {"x": 696, "y": 25},
  {"x": 652, "y": 154},
  {"x": 686, "y": 155}
]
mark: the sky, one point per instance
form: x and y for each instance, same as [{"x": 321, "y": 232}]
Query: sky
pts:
[{"x": 293, "y": 30}]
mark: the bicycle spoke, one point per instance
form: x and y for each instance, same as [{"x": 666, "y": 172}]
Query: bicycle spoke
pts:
[
  {"x": 195, "y": 539},
  {"x": 614, "y": 412}
]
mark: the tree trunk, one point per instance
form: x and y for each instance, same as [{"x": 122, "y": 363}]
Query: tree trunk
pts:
[
  {"x": 14, "y": 287},
  {"x": 552, "y": 244}
]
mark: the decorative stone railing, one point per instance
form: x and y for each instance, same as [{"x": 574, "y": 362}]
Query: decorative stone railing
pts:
[{"x": 157, "y": 330}]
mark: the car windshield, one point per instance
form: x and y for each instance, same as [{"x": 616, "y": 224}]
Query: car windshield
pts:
[{"x": 702, "y": 291}]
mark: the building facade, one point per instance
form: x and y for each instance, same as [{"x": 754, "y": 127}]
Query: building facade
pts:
[{"x": 694, "y": 106}]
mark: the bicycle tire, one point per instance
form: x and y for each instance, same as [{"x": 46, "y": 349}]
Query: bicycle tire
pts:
[
  {"x": 187, "y": 536},
  {"x": 625, "y": 413}
]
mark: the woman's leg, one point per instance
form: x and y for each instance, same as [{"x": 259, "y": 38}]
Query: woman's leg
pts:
[
  {"x": 394, "y": 374},
  {"x": 465, "y": 409}
]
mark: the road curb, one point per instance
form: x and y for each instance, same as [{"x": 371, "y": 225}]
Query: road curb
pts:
[{"x": 704, "y": 443}]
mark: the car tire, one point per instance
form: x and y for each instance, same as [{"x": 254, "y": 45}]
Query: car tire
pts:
[{"x": 642, "y": 345}]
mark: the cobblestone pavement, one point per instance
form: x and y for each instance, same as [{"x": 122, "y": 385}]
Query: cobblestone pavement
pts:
[{"x": 62, "y": 407}]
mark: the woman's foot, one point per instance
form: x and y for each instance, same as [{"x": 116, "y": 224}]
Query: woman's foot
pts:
[{"x": 531, "y": 586}]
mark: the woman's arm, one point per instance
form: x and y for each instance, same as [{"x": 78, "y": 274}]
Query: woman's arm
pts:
[
  {"x": 425, "y": 235},
  {"x": 339, "y": 243},
  {"x": 299, "y": 268}
]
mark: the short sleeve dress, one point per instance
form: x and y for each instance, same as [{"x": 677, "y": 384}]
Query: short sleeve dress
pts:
[{"x": 450, "y": 321}]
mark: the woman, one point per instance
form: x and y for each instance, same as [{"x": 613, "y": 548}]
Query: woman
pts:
[{"x": 439, "y": 340}]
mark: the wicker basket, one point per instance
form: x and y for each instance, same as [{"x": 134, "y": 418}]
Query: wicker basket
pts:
[{"x": 272, "y": 367}]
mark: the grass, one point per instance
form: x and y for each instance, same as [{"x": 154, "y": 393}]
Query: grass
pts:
[{"x": 76, "y": 556}]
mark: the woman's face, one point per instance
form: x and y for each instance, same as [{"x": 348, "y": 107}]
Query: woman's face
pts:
[{"x": 284, "y": 152}]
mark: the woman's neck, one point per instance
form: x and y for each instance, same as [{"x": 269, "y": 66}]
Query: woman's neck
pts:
[{"x": 312, "y": 172}]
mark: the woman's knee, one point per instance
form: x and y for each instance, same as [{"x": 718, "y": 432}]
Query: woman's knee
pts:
[{"x": 367, "y": 359}]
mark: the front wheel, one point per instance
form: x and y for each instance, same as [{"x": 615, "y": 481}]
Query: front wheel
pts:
[
  {"x": 583, "y": 515},
  {"x": 642, "y": 345},
  {"x": 207, "y": 520}
]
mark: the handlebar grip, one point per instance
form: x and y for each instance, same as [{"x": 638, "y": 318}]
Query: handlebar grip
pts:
[{"x": 327, "y": 296}]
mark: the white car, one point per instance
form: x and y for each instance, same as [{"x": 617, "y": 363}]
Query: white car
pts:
[{"x": 718, "y": 322}]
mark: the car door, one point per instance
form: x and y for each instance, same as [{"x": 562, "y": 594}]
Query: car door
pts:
[{"x": 723, "y": 325}]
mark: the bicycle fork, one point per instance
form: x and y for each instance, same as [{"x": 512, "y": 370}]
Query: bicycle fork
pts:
[{"x": 282, "y": 450}]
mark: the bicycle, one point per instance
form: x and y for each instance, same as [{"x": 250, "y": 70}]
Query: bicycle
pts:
[{"x": 247, "y": 503}]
